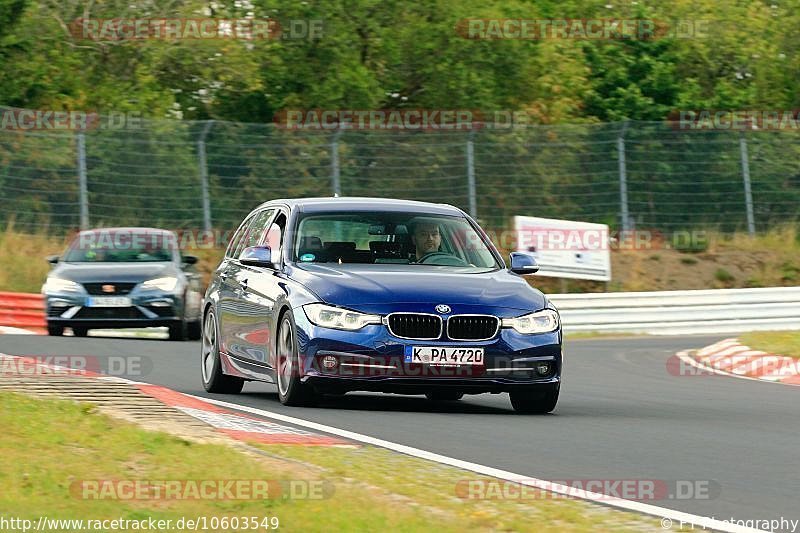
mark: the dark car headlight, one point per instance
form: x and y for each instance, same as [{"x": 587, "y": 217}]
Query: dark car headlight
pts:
[
  {"x": 543, "y": 321},
  {"x": 328, "y": 316}
]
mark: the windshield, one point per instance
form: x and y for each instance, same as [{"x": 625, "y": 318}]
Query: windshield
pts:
[
  {"x": 389, "y": 237},
  {"x": 121, "y": 246}
]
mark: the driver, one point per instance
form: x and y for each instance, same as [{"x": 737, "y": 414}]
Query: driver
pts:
[{"x": 426, "y": 238}]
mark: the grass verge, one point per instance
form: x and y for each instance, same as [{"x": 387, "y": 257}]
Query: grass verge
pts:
[
  {"x": 49, "y": 445},
  {"x": 777, "y": 342}
]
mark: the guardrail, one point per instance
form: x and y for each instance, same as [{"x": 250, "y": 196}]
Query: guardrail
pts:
[
  {"x": 681, "y": 312},
  {"x": 658, "y": 313},
  {"x": 21, "y": 310}
]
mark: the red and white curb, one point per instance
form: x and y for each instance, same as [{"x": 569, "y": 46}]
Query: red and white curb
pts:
[
  {"x": 731, "y": 358},
  {"x": 16, "y": 331},
  {"x": 236, "y": 425}
]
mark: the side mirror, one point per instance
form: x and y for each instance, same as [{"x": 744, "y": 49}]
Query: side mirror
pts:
[
  {"x": 259, "y": 256},
  {"x": 52, "y": 259},
  {"x": 189, "y": 259},
  {"x": 523, "y": 263}
]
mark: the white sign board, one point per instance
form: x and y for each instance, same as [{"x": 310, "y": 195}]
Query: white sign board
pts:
[{"x": 565, "y": 248}]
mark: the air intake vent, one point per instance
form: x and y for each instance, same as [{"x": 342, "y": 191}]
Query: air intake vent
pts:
[
  {"x": 415, "y": 326},
  {"x": 472, "y": 327},
  {"x": 118, "y": 288}
]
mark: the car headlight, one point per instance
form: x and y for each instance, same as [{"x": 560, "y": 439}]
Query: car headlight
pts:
[
  {"x": 543, "y": 321},
  {"x": 337, "y": 318},
  {"x": 164, "y": 284},
  {"x": 53, "y": 284}
]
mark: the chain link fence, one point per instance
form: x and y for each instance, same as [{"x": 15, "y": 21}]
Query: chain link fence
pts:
[{"x": 181, "y": 175}]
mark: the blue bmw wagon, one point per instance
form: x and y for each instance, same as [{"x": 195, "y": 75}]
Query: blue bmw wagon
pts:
[{"x": 330, "y": 295}]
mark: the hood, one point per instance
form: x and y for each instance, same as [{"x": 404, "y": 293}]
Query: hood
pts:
[
  {"x": 368, "y": 287},
  {"x": 113, "y": 272}
]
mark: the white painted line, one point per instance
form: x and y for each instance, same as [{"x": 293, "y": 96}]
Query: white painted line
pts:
[{"x": 629, "y": 505}]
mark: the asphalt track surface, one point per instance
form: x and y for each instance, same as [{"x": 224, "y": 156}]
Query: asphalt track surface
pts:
[{"x": 622, "y": 415}]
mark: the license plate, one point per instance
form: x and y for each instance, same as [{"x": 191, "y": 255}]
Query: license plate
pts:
[
  {"x": 443, "y": 355},
  {"x": 108, "y": 301}
]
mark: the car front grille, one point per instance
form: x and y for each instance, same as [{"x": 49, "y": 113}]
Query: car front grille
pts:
[
  {"x": 100, "y": 313},
  {"x": 96, "y": 289},
  {"x": 472, "y": 327},
  {"x": 415, "y": 326}
]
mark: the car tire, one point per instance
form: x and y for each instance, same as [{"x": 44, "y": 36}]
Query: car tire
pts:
[
  {"x": 291, "y": 391},
  {"x": 444, "y": 396},
  {"x": 55, "y": 330},
  {"x": 214, "y": 380},
  {"x": 177, "y": 331},
  {"x": 534, "y": 400},
  {"x": 194, "y": 330},
  {"x": 80, "y": 331}
]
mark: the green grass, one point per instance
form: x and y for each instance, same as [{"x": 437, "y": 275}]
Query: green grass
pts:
[
  {"x": 48, "y": 445},
  {"x": 417, "y": 482},
  {"x": 777, "y": 342}
]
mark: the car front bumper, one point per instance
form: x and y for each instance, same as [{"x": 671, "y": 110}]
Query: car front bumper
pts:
[
  {"x": 150, "y": 308},
  {"x": 372, "y": 359}
]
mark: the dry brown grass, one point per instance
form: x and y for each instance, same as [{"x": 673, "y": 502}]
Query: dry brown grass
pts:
[{"x": 771, "y": 259}]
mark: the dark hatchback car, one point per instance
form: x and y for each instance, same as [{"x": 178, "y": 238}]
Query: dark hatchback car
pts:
[
  {"x": 330, "y": 295},
  {"x": 124, "y": 278}
]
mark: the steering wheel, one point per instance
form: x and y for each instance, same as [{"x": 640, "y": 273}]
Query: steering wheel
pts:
[{"x": 441, "y": 259}]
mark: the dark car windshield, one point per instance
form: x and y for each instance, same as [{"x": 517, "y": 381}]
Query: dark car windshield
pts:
[
  {"x": 389, "y": 237},
  {"x": 121, "y": 246}
]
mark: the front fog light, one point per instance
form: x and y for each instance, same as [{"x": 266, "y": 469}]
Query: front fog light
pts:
[{"x": 543, "y": 369}]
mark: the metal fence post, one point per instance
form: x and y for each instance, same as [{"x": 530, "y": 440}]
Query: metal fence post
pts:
[
  {"x": 201, "y": 157},
  {"x": 473, "y": 200},
  {"x": 748, "y": 193},
  {"x": 83, "y": 188},
  {"x": 335, "y": 177},
  {"x": 623, "y": 179}
]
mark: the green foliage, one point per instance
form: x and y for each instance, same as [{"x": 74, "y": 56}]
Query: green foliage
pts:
[
  {"x": 723, "y": 276},
  {"x": 389, "y": 54}
]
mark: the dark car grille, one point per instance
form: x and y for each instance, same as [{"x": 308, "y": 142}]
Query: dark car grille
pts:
[
  {"x": 119, "y": 288},
  {"x": 99, "y": 313},
  {"x": 472, "y": 327},
  {"x": 415, "y": 326}
]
